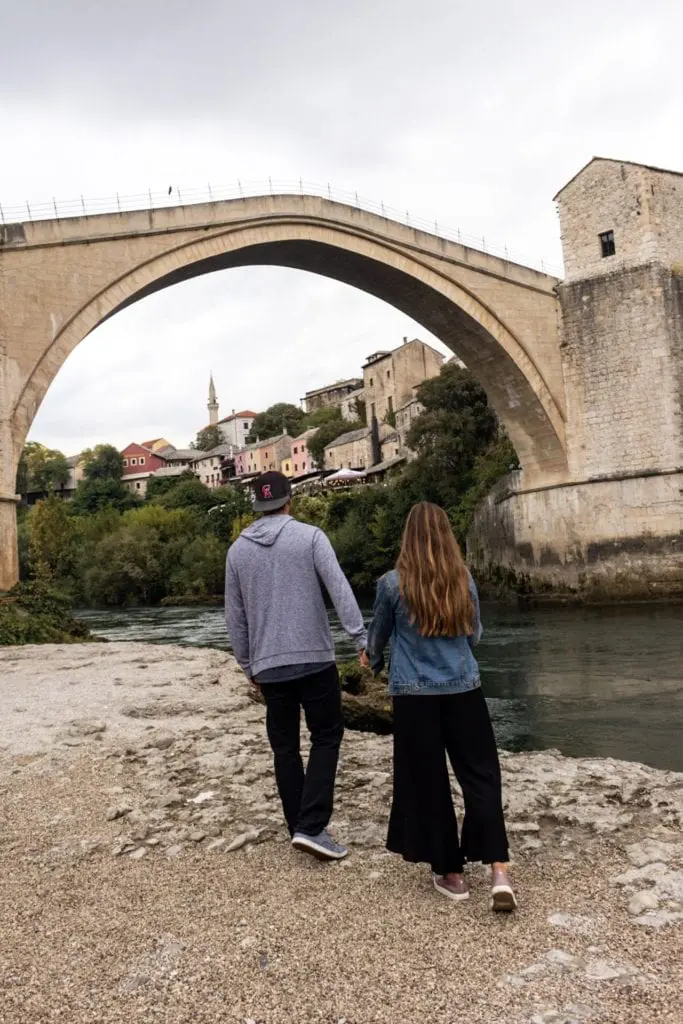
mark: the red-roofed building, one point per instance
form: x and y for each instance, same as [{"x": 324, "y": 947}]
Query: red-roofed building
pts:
[
  {"x": 139, "y": 463},
  {"x": 236, "y": 428}
]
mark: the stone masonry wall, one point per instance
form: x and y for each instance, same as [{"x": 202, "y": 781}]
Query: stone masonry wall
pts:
[
  {"x": 395, "y": 376},
  {"x": 621, "y": 348},
  {"x": 616, "y": 539},
  {"x": 642, "y": 206}
]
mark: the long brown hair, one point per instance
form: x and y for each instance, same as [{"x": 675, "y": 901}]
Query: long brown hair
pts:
[{"x": 433, "y": 576}]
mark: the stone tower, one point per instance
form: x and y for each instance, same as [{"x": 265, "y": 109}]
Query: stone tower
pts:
[
  {"x": 621, "y": 333},
  {"x": 614, "y": 526},
  {"x": 212, "y": 404}
]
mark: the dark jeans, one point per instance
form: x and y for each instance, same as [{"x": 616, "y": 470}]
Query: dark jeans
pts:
[
  {"x": 307, "y": 797},
  {"x": 422, "y": 825}
]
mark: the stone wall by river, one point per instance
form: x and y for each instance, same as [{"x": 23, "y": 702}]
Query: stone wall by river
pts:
[{"x": 148, "y": 874}]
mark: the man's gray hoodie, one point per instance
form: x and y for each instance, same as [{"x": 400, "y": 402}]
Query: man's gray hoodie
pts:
[{"x": 274, "y": 604}]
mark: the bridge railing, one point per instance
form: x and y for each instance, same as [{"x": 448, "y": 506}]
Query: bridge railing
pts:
[{"x": 175, "y": 195}]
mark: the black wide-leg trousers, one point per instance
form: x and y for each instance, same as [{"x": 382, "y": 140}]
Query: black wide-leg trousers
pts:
[{"x": 422, "y": 824}]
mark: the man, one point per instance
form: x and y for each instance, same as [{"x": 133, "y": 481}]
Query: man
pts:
[{"x": 280, "y": 633}]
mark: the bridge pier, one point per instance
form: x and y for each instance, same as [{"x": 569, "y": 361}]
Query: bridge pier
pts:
[
  {"x": 9, "y": 558},
  {"x": 609, "y": 539}
]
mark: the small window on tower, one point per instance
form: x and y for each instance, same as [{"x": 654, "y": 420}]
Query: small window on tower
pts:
[{"x": 607, "y": 247}]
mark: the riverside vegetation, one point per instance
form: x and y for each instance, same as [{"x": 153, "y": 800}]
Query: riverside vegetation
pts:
[{"x": 105, "y": 547}]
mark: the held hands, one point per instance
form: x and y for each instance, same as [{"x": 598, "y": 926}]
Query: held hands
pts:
[{"x": 364, "y": 660}]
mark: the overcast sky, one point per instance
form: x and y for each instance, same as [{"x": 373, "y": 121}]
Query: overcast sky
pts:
[{"x": 474, "y": 114}]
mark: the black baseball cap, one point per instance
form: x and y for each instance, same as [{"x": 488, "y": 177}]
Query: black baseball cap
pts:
[{"x": 272, "y": 491}]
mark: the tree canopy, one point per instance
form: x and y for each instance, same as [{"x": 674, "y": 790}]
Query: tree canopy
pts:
[
  {"x": 283, "y": 416},
  {"x": 41, "y": 470},
  {"x": 103, "y": 462},
  {"x": 207, "y": 439}
]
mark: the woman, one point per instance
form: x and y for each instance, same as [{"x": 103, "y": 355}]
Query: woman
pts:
[{"x": 429, "y": 608}]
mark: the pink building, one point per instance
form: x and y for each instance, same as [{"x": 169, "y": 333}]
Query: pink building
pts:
[
  {"x": 263, "y": 456},
  {"x": 302, "y": 460}
]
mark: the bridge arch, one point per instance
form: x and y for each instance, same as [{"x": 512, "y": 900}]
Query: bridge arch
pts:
[{"x": 410, "y": 278}]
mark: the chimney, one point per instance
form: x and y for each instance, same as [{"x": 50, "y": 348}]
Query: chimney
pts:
[{"x": 405, "y": 339}]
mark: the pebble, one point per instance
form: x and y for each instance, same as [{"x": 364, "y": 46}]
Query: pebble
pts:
[
  {"x": 646, "y": 900},
  {"x": 217, "y": 845},
  {"x": 138, "y": 854},
  {"x": 601, "y": 970},
  {"x": 118, "y": 811},
  {"x": 561, "y": 958},
  {"x": 174, "y": 851},
  {"x": 659, "y": 919},
  {"x": 161, "y": 742},
  {"x": 650, "y": 851},
  {"x": 571, "y": 922},
  {"x": 242, "y": 840},
  {"x": 201, "y": 798}
]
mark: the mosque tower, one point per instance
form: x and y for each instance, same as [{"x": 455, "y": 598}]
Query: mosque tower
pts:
[{"x": 212, "y": 403}]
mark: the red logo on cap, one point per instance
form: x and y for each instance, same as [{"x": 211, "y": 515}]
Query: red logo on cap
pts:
[{"x": 265, "y": 491}]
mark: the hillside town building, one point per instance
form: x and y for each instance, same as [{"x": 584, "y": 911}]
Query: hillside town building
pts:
[
  {"x": 331, "y": 395},
  {"x": 263, "y": 456},
  {"x": 389, "y": 378},
  {"x": 236, "y": 427}
]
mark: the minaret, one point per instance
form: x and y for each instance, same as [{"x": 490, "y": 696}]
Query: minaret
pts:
[{"x": 212, "y": 403}]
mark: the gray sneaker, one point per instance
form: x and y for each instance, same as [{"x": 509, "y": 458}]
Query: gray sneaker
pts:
[{"x": 321, "y": 846}]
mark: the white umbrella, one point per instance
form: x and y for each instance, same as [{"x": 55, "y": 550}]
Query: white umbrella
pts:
[{"x": 345, "y": 474}]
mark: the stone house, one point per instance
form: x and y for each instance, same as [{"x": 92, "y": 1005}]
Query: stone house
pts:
[
  {"x": 389, "y": 378},
  {"x": 331, "y": 395},
  {"x": 349, "y": 406},
  {"x": 405, "y": 417},
  {"x": 353, "y": 450}
]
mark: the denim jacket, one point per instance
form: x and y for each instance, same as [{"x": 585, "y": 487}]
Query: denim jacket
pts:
[{"x": 420, "y": 664}]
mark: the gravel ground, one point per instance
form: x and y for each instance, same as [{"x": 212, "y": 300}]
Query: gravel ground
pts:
[{"x": 128, "y": 771}]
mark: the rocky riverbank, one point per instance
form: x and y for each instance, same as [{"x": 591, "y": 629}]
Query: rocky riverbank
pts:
[{"x": 147, "y": 876}]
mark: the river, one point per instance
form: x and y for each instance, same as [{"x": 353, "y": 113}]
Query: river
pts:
[{"x": 590, "y": 682}]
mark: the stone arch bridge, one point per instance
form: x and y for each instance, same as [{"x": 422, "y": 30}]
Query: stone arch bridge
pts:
[
  {"x": 60, "y": 278},
  {"x": 585, "y": 373}
]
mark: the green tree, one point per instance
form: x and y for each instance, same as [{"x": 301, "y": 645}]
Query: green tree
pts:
[
  {"x": 41, "y": 470},
  {"x": 51, "y": 539},
  {"x": 200, "y": 570},
  {"x": 158, "y": 486},
  {"x": 208, "y": 438},
  {"x": 360, "y": 410},
  {"x": 283, "y": 416},
  {"x": 103, "y": 462},
  {"x": 92, "y": 495},
  {"x": 241, "y": 523},
  {"x": 457, "y": 425},
  {"x": 187, "y": 492},
  {"x": 325, "y": 415},
  {"x": 229, "y": 503},
  {"x": 328, "y": 433}
]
